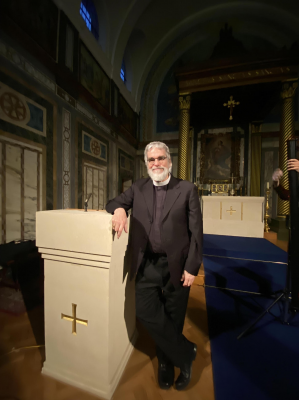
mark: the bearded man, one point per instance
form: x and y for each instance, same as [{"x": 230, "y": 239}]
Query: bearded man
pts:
[{"x": 165, "y": 248}]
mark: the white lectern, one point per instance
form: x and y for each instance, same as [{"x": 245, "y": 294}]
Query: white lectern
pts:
[{"x": 89, "y": 299}]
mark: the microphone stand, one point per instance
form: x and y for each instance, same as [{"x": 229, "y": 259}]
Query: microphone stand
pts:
[{"x": 86, "y": 202}]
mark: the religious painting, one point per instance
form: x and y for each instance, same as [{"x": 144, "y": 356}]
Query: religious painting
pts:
[
  {"x": 220, "y": 158},
  {"x": 126, "y": 116},
  {"x": 93, "y": 78}
]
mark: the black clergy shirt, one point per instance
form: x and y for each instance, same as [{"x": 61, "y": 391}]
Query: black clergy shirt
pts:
[{"x": 155, "y": 243}]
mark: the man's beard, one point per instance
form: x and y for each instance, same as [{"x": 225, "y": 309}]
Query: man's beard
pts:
[{"x": 160, "y": 176}]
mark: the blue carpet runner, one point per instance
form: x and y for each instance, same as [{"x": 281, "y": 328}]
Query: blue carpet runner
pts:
[
  {"x": 264, "y": 364},
  {"x": 242, "y": 247}
]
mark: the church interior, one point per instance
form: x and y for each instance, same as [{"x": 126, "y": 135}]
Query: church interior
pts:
[{"x": 85, "y": 85}]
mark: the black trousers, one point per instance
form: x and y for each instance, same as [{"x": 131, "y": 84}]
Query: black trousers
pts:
[{"x": 161, "y": 308}]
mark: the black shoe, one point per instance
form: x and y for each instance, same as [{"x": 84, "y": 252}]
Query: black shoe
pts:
[
  {"x": 186, "y": 371},
  {"x": 165, "y": 375}
]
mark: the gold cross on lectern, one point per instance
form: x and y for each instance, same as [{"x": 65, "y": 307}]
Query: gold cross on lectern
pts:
[
  {"x": 231, "y": 104},
  {"x": 73, "y": 318},
  {"x": 231, "y": 211}
]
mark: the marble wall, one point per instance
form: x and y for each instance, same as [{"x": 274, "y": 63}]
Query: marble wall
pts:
[
  {"x": 21, "y": 189},
  {"x": 95, "y": 182}
]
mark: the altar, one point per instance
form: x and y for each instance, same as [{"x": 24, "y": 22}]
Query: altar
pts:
[{"x": 233, "y": 215}]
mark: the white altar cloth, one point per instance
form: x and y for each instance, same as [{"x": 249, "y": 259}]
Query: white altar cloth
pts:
[{"x": 233, "y": 215}]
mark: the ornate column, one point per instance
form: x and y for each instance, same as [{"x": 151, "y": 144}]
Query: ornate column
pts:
[
  {"x": 287, "y": 130},
  {"x": 256, "y": 157},
  {"x": 184, "y": 148}
]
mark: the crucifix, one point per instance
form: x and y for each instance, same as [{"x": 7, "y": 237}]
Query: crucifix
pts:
[
  {"x": 73, "y": 318},
  {"x": 231, "y": 104}
]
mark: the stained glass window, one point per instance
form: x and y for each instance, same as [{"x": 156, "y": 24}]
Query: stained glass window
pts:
[
  {"x": 123, "y": 71},
  {"x": 89, "y": 14}
]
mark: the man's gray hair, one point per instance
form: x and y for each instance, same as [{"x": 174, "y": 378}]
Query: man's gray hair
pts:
[{"x": 156, "y": 145}]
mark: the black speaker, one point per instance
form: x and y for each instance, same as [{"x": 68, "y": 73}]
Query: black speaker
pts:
[{"x": 294, "y": 225}]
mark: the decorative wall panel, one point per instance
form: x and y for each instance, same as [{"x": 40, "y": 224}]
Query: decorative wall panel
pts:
[
  {"x": 21, "y": 111},
  {"x": 20, "y": 188},
  {"x": 95, "y": 182},
  {"x": 93, "y": 147}
]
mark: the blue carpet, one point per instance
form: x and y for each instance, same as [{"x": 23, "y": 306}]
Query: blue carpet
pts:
[
  {"x": 244, "y": 275},
  {"x": 263, "y": 365},
  {"x": 242, "y": 247}
]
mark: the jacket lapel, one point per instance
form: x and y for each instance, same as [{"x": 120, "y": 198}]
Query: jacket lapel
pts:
[
  {"x": 172, "y": 194},
  {"x": 148, "y": 194}
]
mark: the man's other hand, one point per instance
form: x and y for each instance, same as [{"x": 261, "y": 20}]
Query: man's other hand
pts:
[
  {"x": 293, "y": 165},
  {"x": 277, "y": 175},
  {"x": 187, "y": 278},
  {"x": 120, "y": 221}
]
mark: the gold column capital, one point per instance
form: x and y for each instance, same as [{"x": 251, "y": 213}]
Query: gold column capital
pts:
[
  {"x": 289, "y": 89},
  {"x": 185, "y": 102},
  {"x": 256, "y": 126}
]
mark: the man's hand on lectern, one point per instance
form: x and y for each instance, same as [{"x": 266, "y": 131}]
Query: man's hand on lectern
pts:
[
  {"x": 293, "y": 165},
  {"x": 120, "y": 221},
  {"x": 277, "y": 175}
]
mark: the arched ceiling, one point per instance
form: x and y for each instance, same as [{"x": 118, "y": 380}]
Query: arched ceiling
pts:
[{"x": 145, "y": 31}]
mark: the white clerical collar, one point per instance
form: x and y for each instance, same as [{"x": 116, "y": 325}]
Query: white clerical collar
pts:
[{"x": 162, "y": 183}]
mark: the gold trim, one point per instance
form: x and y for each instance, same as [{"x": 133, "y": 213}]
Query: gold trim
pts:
[{"x": 236, "y": 78}]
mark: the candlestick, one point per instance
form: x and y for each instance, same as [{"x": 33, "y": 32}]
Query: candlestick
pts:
[
  {"x": 232, "y": 192},
  {"x": 267, "y": 185}
]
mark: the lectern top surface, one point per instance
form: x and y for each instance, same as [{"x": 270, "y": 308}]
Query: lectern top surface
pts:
[{"x": 74, "y": 211}]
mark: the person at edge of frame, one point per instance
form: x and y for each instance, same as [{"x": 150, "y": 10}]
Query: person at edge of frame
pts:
[
  {"x": 165, "y": 253},
  {"x": 284, "y": 194}
]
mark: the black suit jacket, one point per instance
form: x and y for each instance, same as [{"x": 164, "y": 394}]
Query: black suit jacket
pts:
[{"x": 181, "y": 224}]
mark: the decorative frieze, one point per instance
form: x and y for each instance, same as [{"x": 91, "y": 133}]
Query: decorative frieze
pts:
[
  {"x": 21, "y": 111},
  {"x": 93, "y": 147}
]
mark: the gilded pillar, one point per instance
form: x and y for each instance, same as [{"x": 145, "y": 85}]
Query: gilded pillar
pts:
[
  {"x": 287, "y": 130},
  {"x": 256, "y": 156},
  {"x": 184, "y": 146}
]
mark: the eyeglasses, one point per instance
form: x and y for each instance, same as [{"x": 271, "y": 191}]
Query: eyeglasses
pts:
[{"x": 152, "y": 160}]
